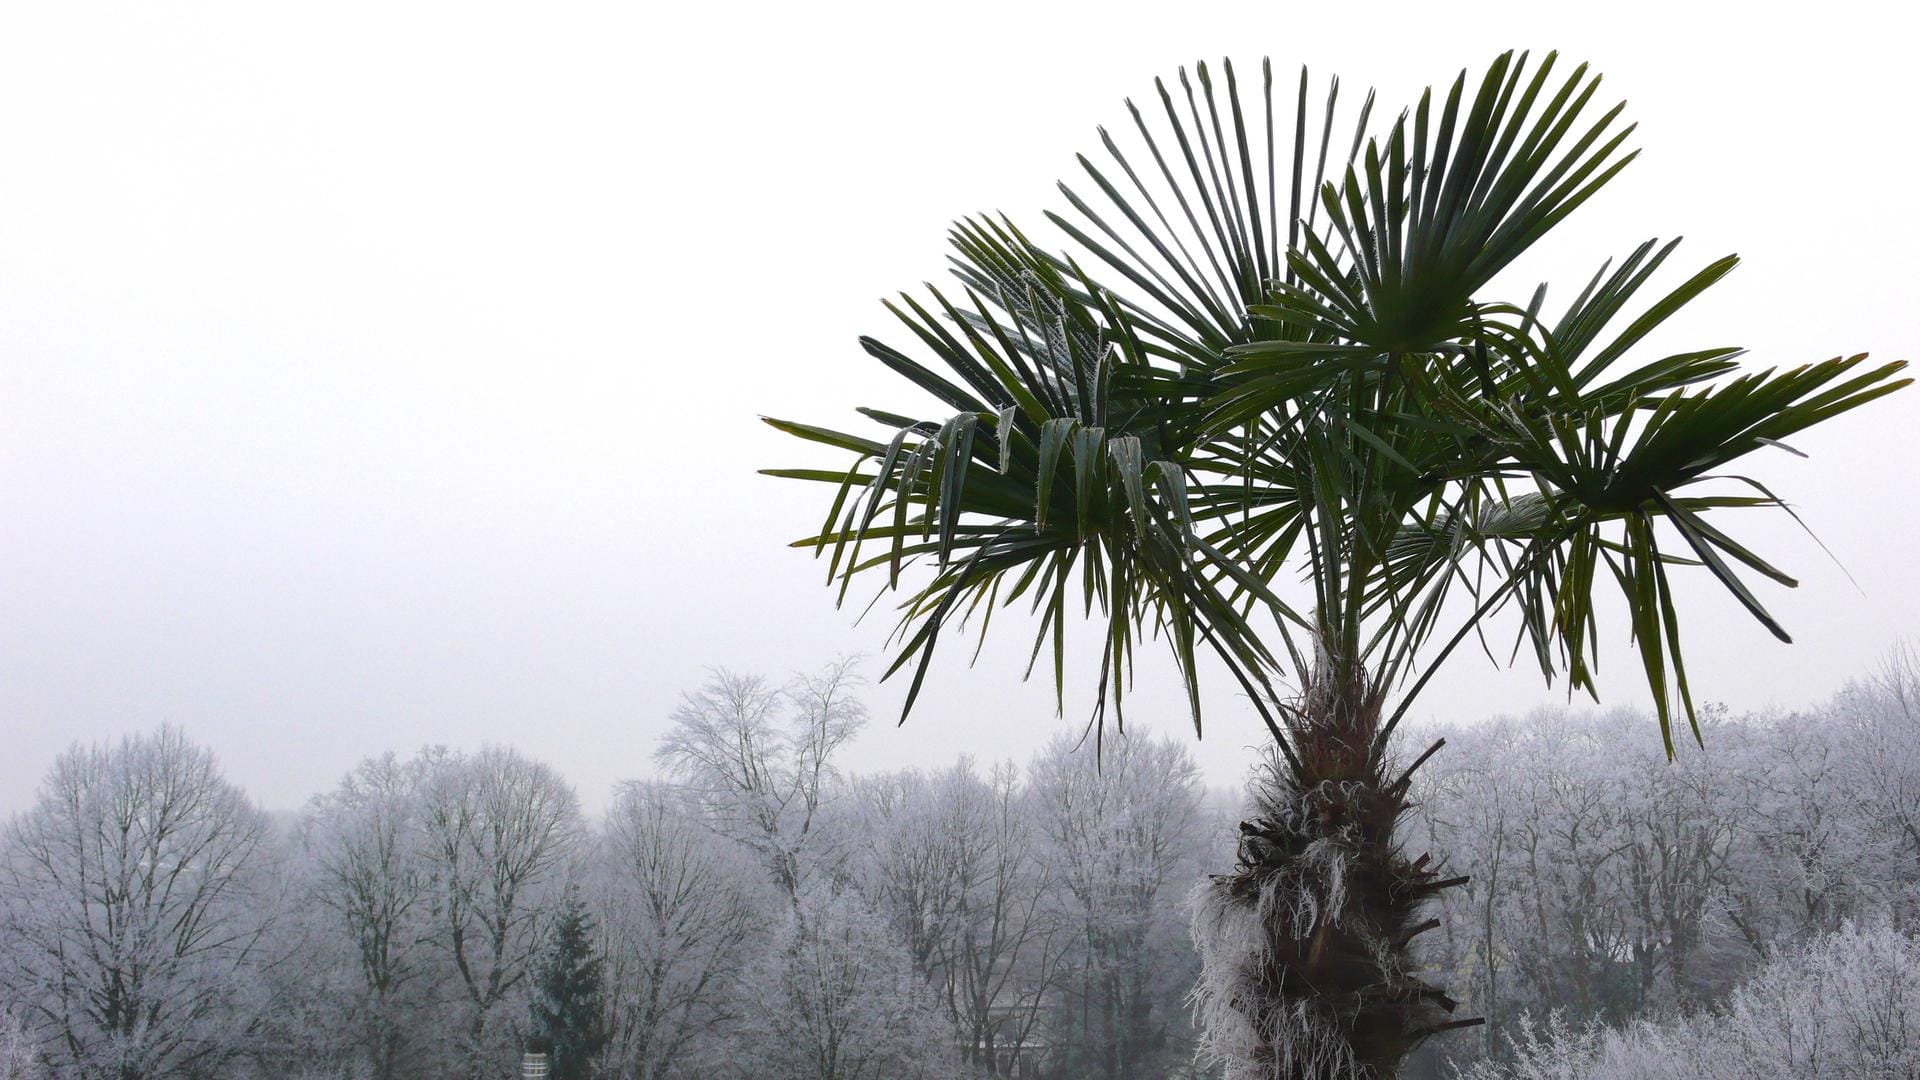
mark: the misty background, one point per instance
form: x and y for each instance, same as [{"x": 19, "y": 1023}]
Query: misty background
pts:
[{"x": 374, "y": 376}]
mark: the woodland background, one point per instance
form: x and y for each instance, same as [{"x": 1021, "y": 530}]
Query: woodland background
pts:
[{"x": 755, "y": 910}]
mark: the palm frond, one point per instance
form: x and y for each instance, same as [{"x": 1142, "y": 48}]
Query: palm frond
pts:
[{"x": 1266, "y": 353}]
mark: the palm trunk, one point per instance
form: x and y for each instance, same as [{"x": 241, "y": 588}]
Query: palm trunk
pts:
[{"x": 1307, "y": 972}]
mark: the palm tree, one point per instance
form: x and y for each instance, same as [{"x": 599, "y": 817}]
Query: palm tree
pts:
[{"x": 1261, "y": 386}]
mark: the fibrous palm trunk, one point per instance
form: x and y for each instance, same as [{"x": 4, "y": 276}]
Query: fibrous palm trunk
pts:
[{"x": 1306, "y": 945}]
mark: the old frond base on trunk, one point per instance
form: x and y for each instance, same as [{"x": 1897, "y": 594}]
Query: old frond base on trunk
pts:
[{"x": 1307, "y": 943}]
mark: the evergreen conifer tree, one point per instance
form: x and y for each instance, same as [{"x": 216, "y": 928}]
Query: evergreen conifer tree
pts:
[{"x": 568, "y": 1007}]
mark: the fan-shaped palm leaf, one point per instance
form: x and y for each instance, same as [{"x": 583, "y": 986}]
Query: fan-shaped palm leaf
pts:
[{"x": 1266, "y": 355}]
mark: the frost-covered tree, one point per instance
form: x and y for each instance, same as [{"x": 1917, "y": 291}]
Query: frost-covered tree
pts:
[
  {"x": 1610, "y": 884},
  {"x": 19, "y": 1057},
  {"x": 1277, "y": 375},
  {"x": 135, "y": 896},
  {"x": 835, "y": 997},
  {"x": 1000, "y": 962},
  {"x": 370, "y": 879},
  {"x": 1601, "y": 874},
  {"x": 759, "y": 760},
  {"x": 1465, "y": 806},
  {"x": 500, "y": 831},
  {"x": 1626, "y": 914},
  {"x": 953, "y": 861},
  {"x": 1121, "y": 835},
  {"x": 909, "y": 839},
  {"x": 1880, "y": 726},
  {"x": 1844, "y": 1005},
  {"x": 677, "y": 910}
]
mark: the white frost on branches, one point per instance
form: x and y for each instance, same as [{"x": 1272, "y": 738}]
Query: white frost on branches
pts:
[
  {"x": 759, "y": 761},
  {"x": 136, "y": 894},
  {"x": 1847, "y": 1005},
  {"x": 836, "y": 998}
]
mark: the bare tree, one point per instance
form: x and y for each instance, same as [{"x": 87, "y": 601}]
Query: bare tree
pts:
[
  {"x": 1003, "y": 954},
  {"x": 1881, "y": 722},
  {"x": 835, "y": 997},
  {"x": 758, "y": 761},
  {"x": 135, "y": 903},
  {"x": 19, "y": 1057},
  {"x": 1842, "y": 1005},
  {"x": 1465, "y": 809},
  {"x": 952, "y": 862},
  {"x": 678, "y": 912},
  {"x": 909, "y": 839},
  {"x": 499, "y": 832},
  {"x": 370, "y": 874},
  {"x": 1122, "y": 834}
]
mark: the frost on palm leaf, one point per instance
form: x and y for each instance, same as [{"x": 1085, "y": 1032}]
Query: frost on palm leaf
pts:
[{"x": 1264, "y": 366}]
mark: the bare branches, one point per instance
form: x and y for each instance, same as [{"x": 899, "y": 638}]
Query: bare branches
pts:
[
  {"x": 135, "y": 895},
  {"x": 759, "y": 761},
  {"x": 498, "y": 830}
]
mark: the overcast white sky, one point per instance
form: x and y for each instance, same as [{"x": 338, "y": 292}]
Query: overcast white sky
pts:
[{"x": 373, "y": 376}]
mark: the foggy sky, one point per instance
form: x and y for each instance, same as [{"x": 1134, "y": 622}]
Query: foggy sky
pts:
[{"x": 374, "y": 376}]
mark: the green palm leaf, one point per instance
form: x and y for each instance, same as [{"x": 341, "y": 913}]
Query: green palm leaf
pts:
[{"x": 1279, "y": 376}]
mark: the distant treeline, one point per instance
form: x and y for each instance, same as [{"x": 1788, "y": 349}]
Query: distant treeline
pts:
[{"x": 758, "y": 912}]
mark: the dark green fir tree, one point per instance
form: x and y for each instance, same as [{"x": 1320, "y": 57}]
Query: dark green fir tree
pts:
[{"x": 568, "y": 1007}]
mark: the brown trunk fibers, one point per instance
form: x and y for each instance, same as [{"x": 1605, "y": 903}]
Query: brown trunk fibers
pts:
[{"x": 1307, "y": 943}]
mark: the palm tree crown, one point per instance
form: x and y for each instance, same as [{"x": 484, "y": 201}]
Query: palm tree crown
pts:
[{"x": 1304, "y": 379}]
